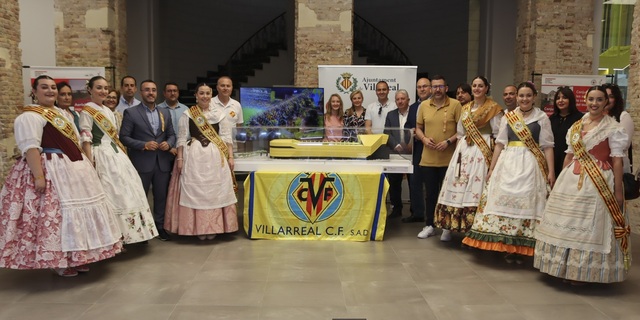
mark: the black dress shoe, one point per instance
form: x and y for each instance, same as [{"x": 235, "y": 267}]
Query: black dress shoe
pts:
[
  {"x": 410, "y": 219},
  {"x": 395, "y": 213},
  {"x": 163, "y": 235}
]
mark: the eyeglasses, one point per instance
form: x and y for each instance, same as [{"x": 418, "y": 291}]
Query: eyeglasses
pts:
[
  {"x": 441, "y": 87},
  {"x": 380, "y": 111}
]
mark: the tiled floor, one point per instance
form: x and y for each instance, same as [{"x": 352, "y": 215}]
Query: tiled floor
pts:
[{"x": 232, "y": 277}]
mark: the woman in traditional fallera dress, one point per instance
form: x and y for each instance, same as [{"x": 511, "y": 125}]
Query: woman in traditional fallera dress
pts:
[
  {"x": 201, "y": 200},
  {"x": 51, "y": 213},
  {"x": 118, "y": 176},
  {"x": 465, "y": 177},
  {"x": 581, "y": 236},
  {"x": 516, "y": 190}
]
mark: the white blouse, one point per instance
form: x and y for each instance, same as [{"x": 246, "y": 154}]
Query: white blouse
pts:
[
  {"x": 545, "y": 140},
  {"x": 213, "y": 116},
  {"x": 28, "y": 128}
]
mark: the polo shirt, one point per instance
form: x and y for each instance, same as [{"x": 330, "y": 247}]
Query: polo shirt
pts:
[{"x": 439, "y": 124}]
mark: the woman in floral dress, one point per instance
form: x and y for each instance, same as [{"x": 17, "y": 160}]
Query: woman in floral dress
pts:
[{"x": 52, "y": 214}]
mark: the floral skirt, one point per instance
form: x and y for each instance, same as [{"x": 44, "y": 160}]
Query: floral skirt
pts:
[{"x": 69, "y": 224}]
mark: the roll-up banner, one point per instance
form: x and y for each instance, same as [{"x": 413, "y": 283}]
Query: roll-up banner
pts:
[
  {"x": 77, "y": 77},
  {"x": 344, "y": 79}
]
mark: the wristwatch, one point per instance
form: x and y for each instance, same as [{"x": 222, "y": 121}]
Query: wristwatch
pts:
[{"x": 448, "y": 142}]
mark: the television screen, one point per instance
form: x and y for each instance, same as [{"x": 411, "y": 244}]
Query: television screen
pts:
[{"x": 299, "y": 109}]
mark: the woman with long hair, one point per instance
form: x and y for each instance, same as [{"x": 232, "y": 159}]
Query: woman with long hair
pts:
[
  {"x": 465, "y": 177},
  {"x": 584, "y": 231},
  {"x": 565, "y": 114},
  {"x": 354, "y": 116},
  {"x": 118, "y": 176},
  {"x": 521, "y": 172},
  {"x": 201, "y": 200},
  {"x": 53, "y": 211},
  {"x": 333, "y": 119},
  {"x": 615, "y": 109}
]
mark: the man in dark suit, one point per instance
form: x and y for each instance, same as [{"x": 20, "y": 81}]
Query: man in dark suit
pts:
[
  {"x": 417, "y": 184},
  {"x": 149, "y": 136},
  {"x": 398, "y": 143}
]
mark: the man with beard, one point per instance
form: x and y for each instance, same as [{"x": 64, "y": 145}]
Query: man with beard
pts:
[
  {"x": 148, "y": 133},
  {"x": 436, "y": 127}
]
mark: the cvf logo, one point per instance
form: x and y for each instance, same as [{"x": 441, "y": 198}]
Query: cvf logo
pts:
[{"x": 314, "y": 197}]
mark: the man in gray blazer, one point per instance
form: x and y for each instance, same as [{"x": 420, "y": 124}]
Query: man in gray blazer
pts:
[{"x": 149, "y": 136}]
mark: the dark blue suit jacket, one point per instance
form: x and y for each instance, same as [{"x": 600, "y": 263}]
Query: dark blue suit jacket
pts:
[
  {"x": 392, "y": 128},
  {"x": 411, "y": 124},
  {"x": 136, "y": 131}
]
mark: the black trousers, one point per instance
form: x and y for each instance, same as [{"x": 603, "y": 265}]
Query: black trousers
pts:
[{"x": 432, "y": 178}]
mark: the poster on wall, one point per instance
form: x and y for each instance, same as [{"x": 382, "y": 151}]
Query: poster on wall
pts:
[
  {"x": 344, "y": 79},
  {"x": 578, "y": 83},
  {"x": 76, "y": 77}
]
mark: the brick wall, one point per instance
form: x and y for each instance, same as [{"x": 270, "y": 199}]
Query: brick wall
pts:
[
  {"x": 92, "y": 34},
  {"x": 323, "y": 35},
  {"x": 10, "y": 80},
  {"x": 554, "y": 37},
  {"x": 633, "y": 97}
]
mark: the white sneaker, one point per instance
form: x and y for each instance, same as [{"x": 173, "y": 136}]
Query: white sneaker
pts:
[
  {"x": 446, "y": 235},
  {"x": 426, "y": 232}
]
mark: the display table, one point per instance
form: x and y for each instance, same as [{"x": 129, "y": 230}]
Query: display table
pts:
[{"x": 297, "y": 205}]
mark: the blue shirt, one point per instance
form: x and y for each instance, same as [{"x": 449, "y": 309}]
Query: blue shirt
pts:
[
  {"x": 124, "y": 105},
  {"x": 154, "y": 118},
  {"x": 176, "y": 113}
]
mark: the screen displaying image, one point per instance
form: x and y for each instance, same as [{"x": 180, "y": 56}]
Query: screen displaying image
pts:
[{"x": 300, "y": 110}]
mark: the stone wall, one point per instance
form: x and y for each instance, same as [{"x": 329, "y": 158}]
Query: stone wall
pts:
[
  {"x": 323, "y": 35},
  {"x": 10, "y": 80},
  {"x": 557, "y": 37},
  {"x": 92, "y": 34},
  {"x": 633, "y": 97},
  {"x": 554, "y": 37}
]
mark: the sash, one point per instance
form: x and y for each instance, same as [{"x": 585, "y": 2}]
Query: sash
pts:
[
  {"x": 516, "y": 122},
  {"x": 207, "y": 130},
  {"x": 58, "y": 121},
  {"x": 620, "y": 230},
  {"x": 474, "y": 134},
  {"x": 105, "y": 125}
]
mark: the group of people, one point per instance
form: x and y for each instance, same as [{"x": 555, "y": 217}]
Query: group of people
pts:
[
  {"x": 520, "y": 182},
  {"x": 78, "y": 192},
  {"x": 511, "y": 179}
]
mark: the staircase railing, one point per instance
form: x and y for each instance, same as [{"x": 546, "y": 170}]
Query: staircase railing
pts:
[
  {"x": 274, "y": 32},
  {"x": 370, "y": 39}
]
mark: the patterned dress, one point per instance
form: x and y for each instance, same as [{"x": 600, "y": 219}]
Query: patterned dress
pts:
[
  {"x": 201, "y": 199},
  {"x": 119, "y": 179},
  {"x": 353, "y": 125},
  {"x": 575, "y": 239},
  {"x": 515, "y": 195},
  {"x": 465, "y": 178},
  {"x": 71, "y": 223}
]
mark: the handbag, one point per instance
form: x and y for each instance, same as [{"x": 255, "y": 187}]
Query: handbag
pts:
[{"x": 630, "y": 181}]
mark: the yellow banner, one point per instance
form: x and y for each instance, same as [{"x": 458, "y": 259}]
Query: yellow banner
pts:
[{"x": 315, "y": 206}]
